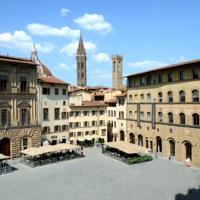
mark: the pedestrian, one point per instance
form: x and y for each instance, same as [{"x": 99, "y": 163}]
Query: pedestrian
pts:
[
  {"x": 169, "y": 157},
  {"x": 156, "y": 155}
]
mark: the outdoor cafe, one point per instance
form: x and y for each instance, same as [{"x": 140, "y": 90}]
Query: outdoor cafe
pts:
[
  {"x": 4, "y": 166},
  {"x": 50, "y": 154}
]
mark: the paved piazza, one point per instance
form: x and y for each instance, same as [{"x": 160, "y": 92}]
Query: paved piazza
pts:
[{"x": 99, "y": 177}]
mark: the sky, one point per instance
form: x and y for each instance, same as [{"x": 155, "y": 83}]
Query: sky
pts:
[{"x": 147, "y": 33}]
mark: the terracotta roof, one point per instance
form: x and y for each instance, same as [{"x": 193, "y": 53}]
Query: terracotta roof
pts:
[
  {"x": 13, "y": 59},
  {"x": 182, "y": 64},
  {"x": 51, "y": 79},
  {"x": 122, "y": 94},
  {"x": 90, "y": 104}
]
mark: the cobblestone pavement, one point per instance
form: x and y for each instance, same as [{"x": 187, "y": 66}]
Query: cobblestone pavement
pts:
[{"x": 98, "y": 177}]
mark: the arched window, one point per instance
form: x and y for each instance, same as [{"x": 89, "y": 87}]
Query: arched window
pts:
[
  {"x": 130, "y": 99},
  {"x": 142, "y": 98},
  {"x": 182, "y": 96},
  {"x": 24, "y": 116},
  {"x": 195, "y": 96},
  {"x": 130, "y": 115},
  {"x": 170, "y": 117},
  {"x": 170, "y": 96},
  {"x": 142, "y": 115},
  {"x": 82, "y": 75},
  {"x": 160, "y": 115},
  {"x": 5, "y": 117},
  {"x": 160, "y": 97},
  {"x": 148, "y": 97},
  {"x": 182, "y": 118},
  {"x": 195, "y": 117},
  {"x": 82, "y": 65}
]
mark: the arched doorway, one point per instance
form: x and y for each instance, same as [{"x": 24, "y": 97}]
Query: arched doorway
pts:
[
  {"x": 158, "y": 144},
  {"x": 188, "y": 150},
  {"x": 132, "y": 138},
  {"x": 172, "y": 147},
  {"x": 140, "y": 140},
  {"x": 121, "y": 135},
  {"x": 5, "y": 146}
]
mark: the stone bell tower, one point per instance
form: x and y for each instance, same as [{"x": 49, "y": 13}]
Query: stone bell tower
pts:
[
  {"x": 117, "y": 72},
  {"x": 81, "y": 64}
]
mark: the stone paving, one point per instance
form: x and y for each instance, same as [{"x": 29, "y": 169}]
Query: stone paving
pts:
[{"x": 98, "y": 177}]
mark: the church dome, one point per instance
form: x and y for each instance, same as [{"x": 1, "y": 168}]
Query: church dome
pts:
[{"x": 43, "y": 70}]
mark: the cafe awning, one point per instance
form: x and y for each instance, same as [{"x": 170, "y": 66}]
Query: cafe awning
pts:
[
  {"x": 127, "y": 147},
  {"x": 3, "y": 157}
]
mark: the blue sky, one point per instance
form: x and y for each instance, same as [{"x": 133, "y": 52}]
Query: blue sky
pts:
[{"x": 147, "y": 33}]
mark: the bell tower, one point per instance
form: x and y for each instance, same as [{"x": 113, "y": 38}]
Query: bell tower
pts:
[
  {"x": 117, "y": 72},
  {"x": 81, "y": 64}
]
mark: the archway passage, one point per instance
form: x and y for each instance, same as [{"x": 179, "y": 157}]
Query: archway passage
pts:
[
  {"x": 188, "y": 150},
  {"x": 140, "y": 140},
  {"x": 172, "y": 147},
  {"x": 132, "y": 138},
  {"x": 158, "y": 144},
  {"x": 5, "y": 146},
  {"x": 122, "y": 136}
]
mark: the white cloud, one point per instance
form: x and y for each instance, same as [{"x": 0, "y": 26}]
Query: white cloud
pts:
[
  {"x": 102, "y": 57},
  {"x": 64, "y": 12},
  {"x": 22, "y": 41},
  {"x": 94, "y": 22},
  {"x": 71, "y": 48},
  {"x": 147, "y": 64},
  {"x": 62, "y": 66},
  {"x": 41, "y": 29}
]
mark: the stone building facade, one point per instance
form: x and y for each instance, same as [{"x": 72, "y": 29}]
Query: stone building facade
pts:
[
  {"x": 163, "y": 110},
  {"x": 19, "y": 127}
]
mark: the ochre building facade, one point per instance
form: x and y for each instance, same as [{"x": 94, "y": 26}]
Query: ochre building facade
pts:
[{"x": 163, "y": 110}]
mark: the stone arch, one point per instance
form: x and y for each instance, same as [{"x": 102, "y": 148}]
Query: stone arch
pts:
[
  {"x": 187, "y": 149},
  {"x": 132, "y": 138},
  {"x": 172, "y": 147},
  {"x": 5, "y": 146},
  {"x": 122, "y": 135},
  {"x": 140, "y": 140},
  {"x": 158, "y": 144}
]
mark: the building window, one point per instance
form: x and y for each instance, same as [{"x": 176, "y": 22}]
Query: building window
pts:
[
  {"x": 182, "y": 96},
  {"x": 130, "y": 115},
  {"x": 148, "y": 98},
  {"x": 195, "y": 117},
  {"x": 24, "y": 116},
  {"x": 45, "y": 114},
  {"x": 121, "y": 115},
  {"x": 56, "y": 91},
  {"x": 101, "y": 112},
  {"x": 70, "y": 125},
  {"x": 148, "y": 116},
  {"x": 85, "y": 113},
  {"x": 57, "y": 113},
  {"x": 170, "y": 97},
  {"x": 57, "y": 128},
  {"x": 77, "y": 124},
  {"x": 64, "y": 115},
  {"x": 121, "y": 102},
  {"x": 64, "y": 103},
  {"x": 23, "y": 84},
  {"x": 182, "y": 118},
  {"x": 86, "y": 124},
  {"x": 5, "y": 117},
  {"x": 45, "y": 129},
  {"x": 77, "y": 113},
  {"x": 142, "y": 115},
  {"x": 46, "y": 91},
  {"x": 142, "y": 98},
  {"x": 181, "y": 75},
  {"x": 130, "y": 99},
  {"x": 148, "y": 80},
  {"x": 195, "y": 96},
  {"x": 93, "y": 123},
  {"x": 195, "y": 74},
  {"x": 3, "y": 83},
  {"x": 24, "y": 143},
  {"x": 160, "y": 115},
  {"x": 71, "y": 114},
  {"x": 160, "y": 97},
  {"x": 159, "y": 78},
  {"x": 64, "y": 91},
  {"x": 64, "y": 127},
  {"x": 170, "y": 77},
  {"x": 93, "y": 112},
  {"x": 170, "y": 117},
  {"x": 142, "y": 81},
  {"x": 101, "y": 123}
]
